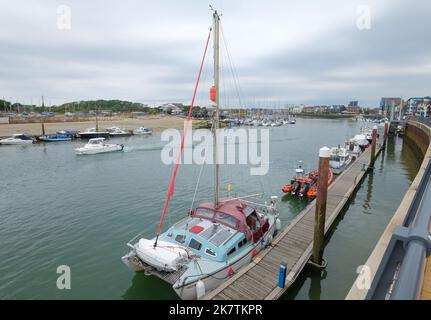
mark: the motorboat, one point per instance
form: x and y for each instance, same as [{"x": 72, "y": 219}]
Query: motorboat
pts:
[
  {"x": 292, "y": 121},
  {"x": 339, "y": 159},
  {"x": 306, "y": 184},
  {"x": 98, "y": 145},
  {"x": 361, "y": 140},
  {"x": 18, "y": 138},
  {"x": 353, "y": 149},
  {"x": 142, "y": 131},
  {"x": 117, "y": 132},
  {"x": 70, "y": 133},
  {"x": 93, "y": 133},
  {"x": 55, "y": 138},
  {"x": 214, "y": 240}
]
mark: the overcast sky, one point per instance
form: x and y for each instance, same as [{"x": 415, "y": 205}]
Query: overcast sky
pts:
[{"x": 149, "y": 51}]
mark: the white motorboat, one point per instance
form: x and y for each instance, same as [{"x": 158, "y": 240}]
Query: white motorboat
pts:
[
  {"x": 117, "y": 132},
  {"x": 98, "y": 145},
  {"x": 142, "y": 131},
  {"x": 361, "y": 140},
  {"x": 299, "y": 171},
  {"x": 293, "y": 121},
  {"x": 339, "y": 159},
  {"x": 18, "y": 138},
  {"x": 353, "y": 149}
]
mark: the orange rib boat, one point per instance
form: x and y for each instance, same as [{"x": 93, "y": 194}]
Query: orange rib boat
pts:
[{"x": 306, "y": 185}]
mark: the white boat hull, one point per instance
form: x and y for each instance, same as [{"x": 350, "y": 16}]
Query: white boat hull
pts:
[
  {"x": 15, "y": 142},
  {"x": 105, "y": 149},
  {"x": 188, "y": 292}
]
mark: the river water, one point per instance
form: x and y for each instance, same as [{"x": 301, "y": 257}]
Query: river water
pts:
[{"x": 57, "y": 208}]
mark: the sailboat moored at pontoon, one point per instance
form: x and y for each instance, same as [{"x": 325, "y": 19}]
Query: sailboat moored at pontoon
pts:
[{"x": 214, "y": 239}]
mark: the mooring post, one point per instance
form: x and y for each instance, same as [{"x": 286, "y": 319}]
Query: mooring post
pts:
[
  {"x": 282, "y": 275},
  {"x": 373, "y": 147},
  {"x": 43, "y": 128},
  {"x": 320, "y": 214},
  {"x": 386, "y": 130}
]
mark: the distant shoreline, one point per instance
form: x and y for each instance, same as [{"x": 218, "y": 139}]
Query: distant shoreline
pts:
[{"x": 156, "y": 123}]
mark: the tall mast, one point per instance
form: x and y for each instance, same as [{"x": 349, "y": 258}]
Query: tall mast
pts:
[{"x": 217, "y": 111}]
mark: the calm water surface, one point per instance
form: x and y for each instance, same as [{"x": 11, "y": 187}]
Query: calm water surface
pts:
[{"x": 57, "y": 208}]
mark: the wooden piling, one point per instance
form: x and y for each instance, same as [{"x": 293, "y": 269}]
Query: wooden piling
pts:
[
  {"x": 320, "y": 213},
  {"x": 43, "y": 128},
  {"x": 373, "y": 147}
]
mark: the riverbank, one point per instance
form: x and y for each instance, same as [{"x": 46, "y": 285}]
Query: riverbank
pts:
[{"x": 157, "y": 123}]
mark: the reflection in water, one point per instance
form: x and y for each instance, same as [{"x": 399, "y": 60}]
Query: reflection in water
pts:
[
  {"x": 294, "y": 203},
  {"x": 315, "y": 286},
  {"x": 410, "y": 155},
  {"x": 367, "y": 202},
  {"x": 390, "y": 148},
  {"x": 382, "y": 157},
  {"x": 140, "y": 288}
]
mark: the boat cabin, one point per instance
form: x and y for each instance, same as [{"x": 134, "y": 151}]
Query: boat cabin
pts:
[
  {"x": 21, "y": 136},
  {"x": 96, "y": 141},
  {"x": 216, "y": 234}
]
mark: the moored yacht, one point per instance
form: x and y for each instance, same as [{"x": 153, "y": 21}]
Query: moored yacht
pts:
[
  {"x": 205, "y": 248},
  {"x": 339, "y": 159},
  {"x": 213, "y": 240},
  {"x": 55, "y": 138},
  {"x": 361, "y": 140},
  {"x": 117, "y": 132},
  {"x": 18, "y": 138},
  {"x": 353, "y": 149},
  {"x": 93, "y": 133}
]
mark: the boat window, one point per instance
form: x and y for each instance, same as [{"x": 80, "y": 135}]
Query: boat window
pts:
[
  {"x": 222, "y": 217},
  {"x": 195, "y": 244},
  {"x": 180, "y": 238},
  {"x": 205, "y": 213},
  {"x": 231, "y": 251},
  {"x": 210, "y": 252},
  {"x": 242, "y": 242}
]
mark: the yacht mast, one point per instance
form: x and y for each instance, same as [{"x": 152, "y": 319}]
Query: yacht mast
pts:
[{"x": 217, "y": 111}]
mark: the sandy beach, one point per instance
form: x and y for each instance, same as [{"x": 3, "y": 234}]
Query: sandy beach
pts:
[{"x": 157, "y": 123}]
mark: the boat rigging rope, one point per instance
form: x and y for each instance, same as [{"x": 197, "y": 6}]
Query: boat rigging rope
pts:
[
  {"x": 177, "y": 162},
  {"x": 199, "y": 178}
]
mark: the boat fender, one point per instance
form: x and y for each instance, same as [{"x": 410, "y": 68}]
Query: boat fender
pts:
[
  {"x": 200, "y": 289},
  {"x": 278, "y": 224},
  {"x": 230, "y": 272},
  {"x": 269, "y": 239},
  {"x": 253, "y": 253}
]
